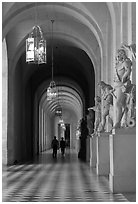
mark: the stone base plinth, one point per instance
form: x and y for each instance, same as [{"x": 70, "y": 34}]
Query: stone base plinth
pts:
[
  {"x": 103, "y": 159},
  {"x": 122, "y": 176},
  {"x": 122, "y": 183},
  {"x": 88, "y": 149}
]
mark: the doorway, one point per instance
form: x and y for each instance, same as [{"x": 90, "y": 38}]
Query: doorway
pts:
[{"x": 67, "y": 134}]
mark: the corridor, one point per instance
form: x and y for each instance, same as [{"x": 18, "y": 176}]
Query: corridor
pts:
[{"x": 57, "y": 180}]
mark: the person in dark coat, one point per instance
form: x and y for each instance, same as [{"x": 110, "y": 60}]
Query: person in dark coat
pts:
[
  {"x": 62, "y": 146},
  {"x": 83, "y": 137},
  {"x": 55, "y": 146}
]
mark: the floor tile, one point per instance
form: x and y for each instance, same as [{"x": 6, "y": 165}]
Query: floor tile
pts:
[{"x": 62, "y": 180}]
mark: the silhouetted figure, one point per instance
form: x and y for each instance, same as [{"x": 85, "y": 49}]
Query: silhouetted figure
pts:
[
  {"x": 55, "y": 146},
  {"x": 15, "y": 162},
  {"x": 83, "y": 137},
  {"x": 62, "y": 146},
  {"x": 84, "y": 129},
  {"x": 90, "y": 121}
]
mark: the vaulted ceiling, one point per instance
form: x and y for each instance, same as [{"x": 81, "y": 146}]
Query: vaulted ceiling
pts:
[{"x": 77, "y": 40}]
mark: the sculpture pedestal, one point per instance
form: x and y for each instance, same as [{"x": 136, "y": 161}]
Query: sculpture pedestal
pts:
[
  {"x": 122, "y": 176},
  {"x": 88, "y": 149},
  {"x": 103, "y": 159},
  {"x": 93, "y": 151},
  {"x": 77, "y": 145}
]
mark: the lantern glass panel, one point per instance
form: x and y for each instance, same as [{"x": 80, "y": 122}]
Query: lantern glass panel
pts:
[
  {"x": 51, "y": 93},
  {"x": 30, "y": 50},
  {"x": 36, "y": 47}
]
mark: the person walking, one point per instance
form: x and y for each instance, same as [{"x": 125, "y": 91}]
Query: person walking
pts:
[
  {"x": 62, "y": 146},
  {"x": 55, "y": 146}
]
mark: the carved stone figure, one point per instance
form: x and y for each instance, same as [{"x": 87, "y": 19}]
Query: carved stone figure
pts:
[
  {"x": 78, "y": 131},
  {"x": 97, "y": 109},
  {"x": 130, "y": 113},
  {"x": 131, "y": 48},
  {"x": 129, "y": 119},
  {"x": 107, "y": 96},
  {"x": 121, "y": 81},
  {"x": 90, "y": 121}
]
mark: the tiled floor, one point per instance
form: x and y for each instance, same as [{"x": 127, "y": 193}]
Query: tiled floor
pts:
[{"x": 57, "y": 180}]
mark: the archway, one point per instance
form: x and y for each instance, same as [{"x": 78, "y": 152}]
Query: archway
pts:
[{"x": 84, "y": 51}]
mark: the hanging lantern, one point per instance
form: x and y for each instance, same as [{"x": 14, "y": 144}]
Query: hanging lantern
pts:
[
  {"x": 51, "y": 91},
  {"x": 62, "y": 124},
  {"x": 58, "y": 111},
  {"x": 36, "y": 47},
  {"x": 61, "y": 120}
]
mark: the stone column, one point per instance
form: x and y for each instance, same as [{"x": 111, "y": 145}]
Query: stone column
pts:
[
  {"x": 103, "y": 159},
  {"x": 133, "y": 24},
  {"x": 124, "y": 20},
  {"x": 4, "y": 102},
  {"x": 40, "y": 129},
  {"x": 122, "y": 176},
  {"x": 44, "y": 131}
]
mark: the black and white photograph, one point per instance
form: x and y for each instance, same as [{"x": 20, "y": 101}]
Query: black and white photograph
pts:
[{"x": 68, "y": 101}]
